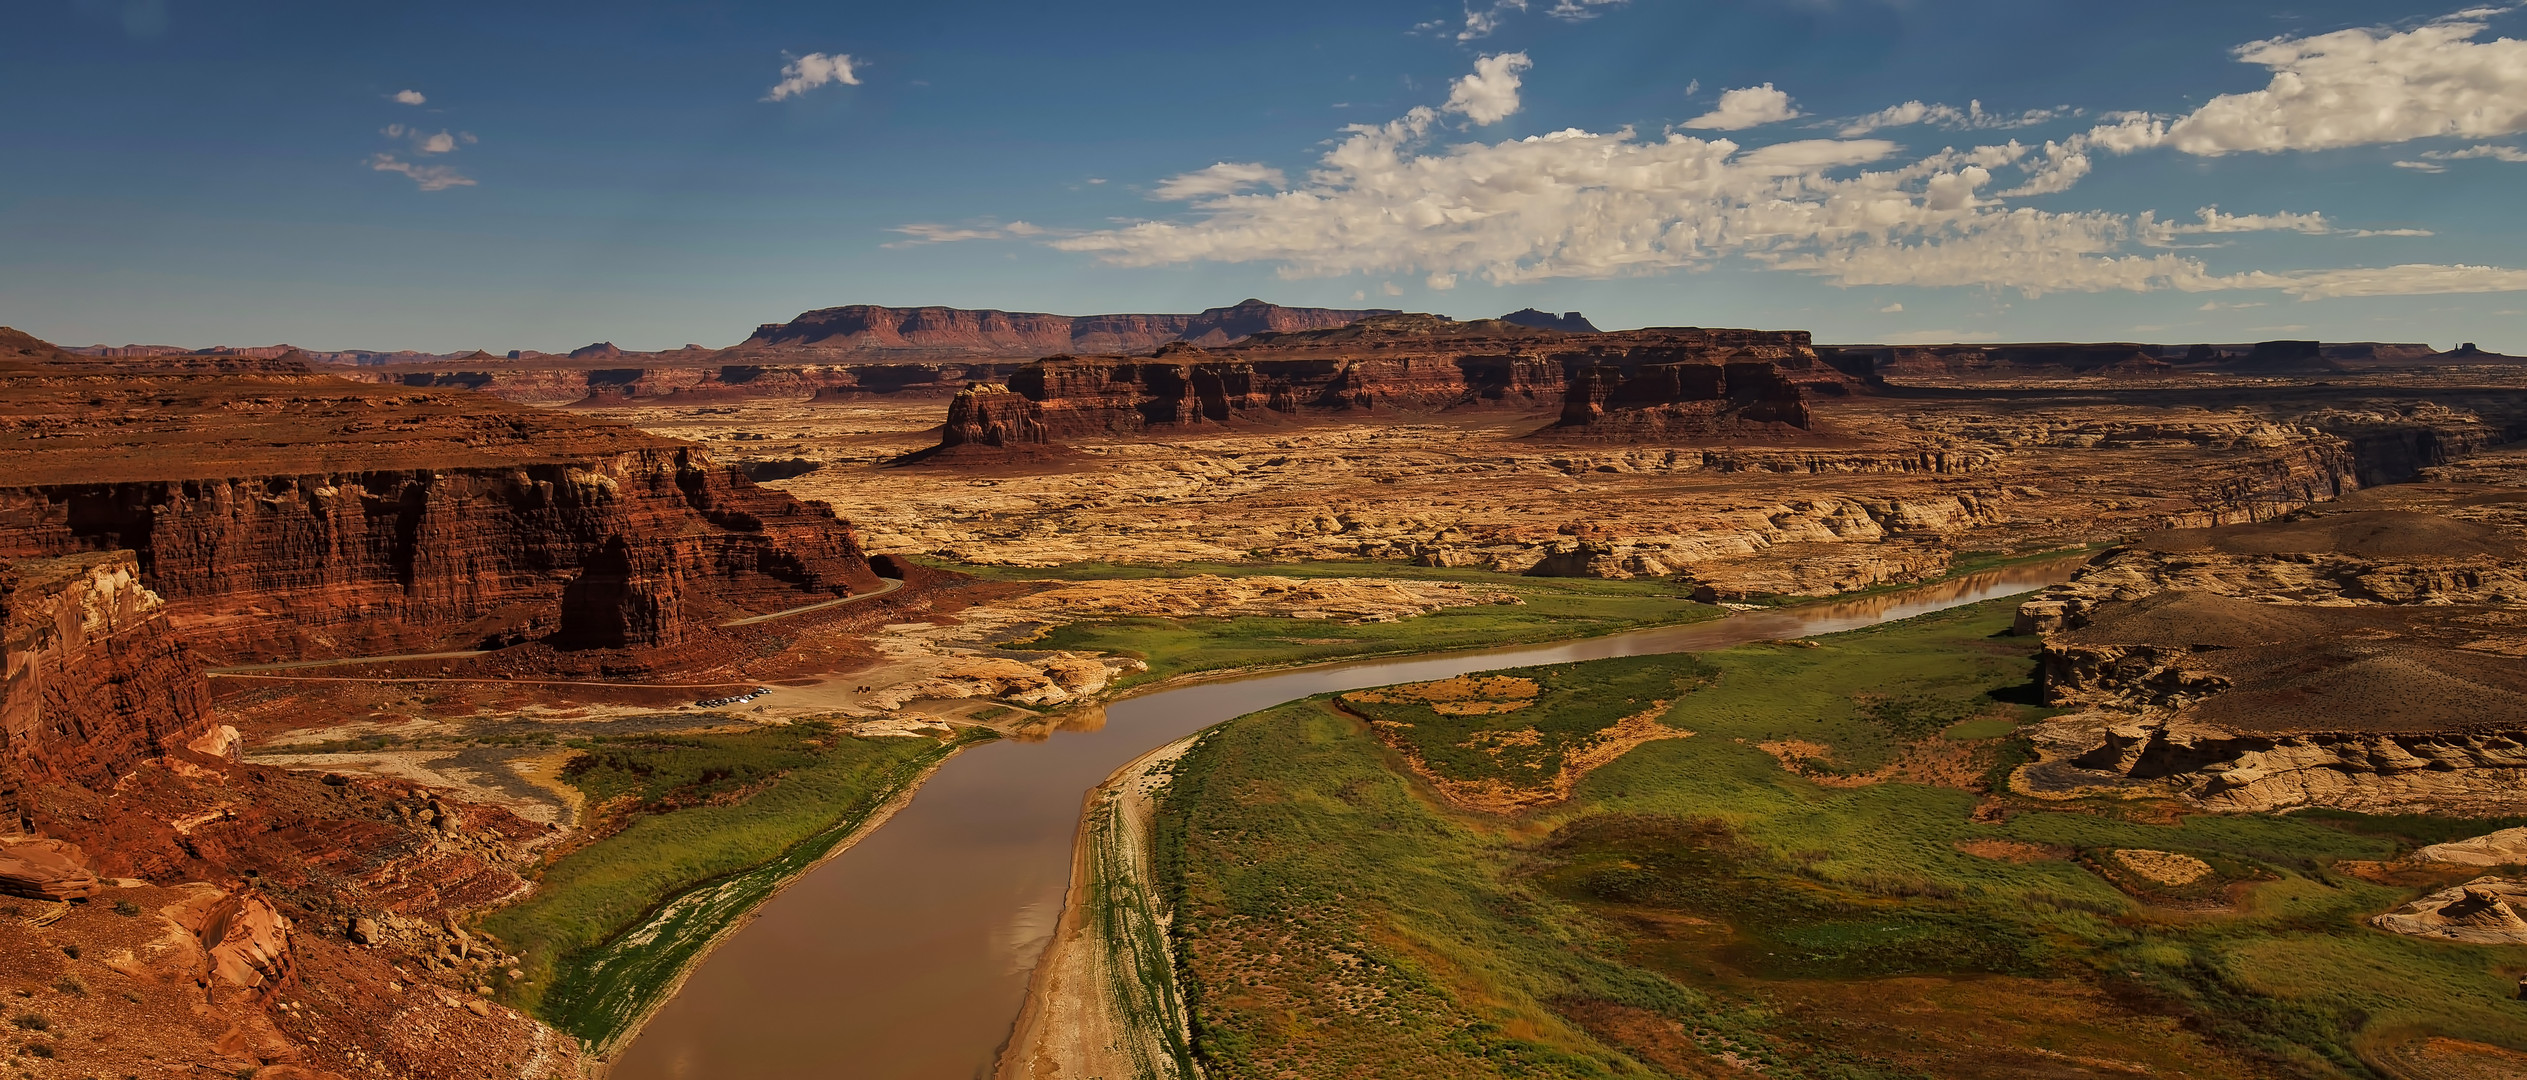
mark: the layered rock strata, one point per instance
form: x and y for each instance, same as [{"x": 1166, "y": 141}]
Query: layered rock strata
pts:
[
  {"x": 2366, "y": 654},
  {"x": 1646, "y": 384},
  {"x": 97, "y": 680},
  {"x": 435, "y": 520}
]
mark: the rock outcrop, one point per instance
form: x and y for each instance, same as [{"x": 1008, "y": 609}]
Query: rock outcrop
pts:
[
  {"x": 2364, "y": 654},
  {"x": 97, "y": 681},
  {"x": 2484, "y": 911},
  {"x": 1666, "y": 402}
]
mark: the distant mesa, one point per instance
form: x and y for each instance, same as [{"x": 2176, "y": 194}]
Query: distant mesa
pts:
[
  {"x": 869, "y": 332},
  {"x": 1671, "y": 383},
  {"x": 603, "y": 350},
  {"x": 1568, "y": 321}
]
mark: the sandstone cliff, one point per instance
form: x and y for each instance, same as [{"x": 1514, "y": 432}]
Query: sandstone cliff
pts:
[
  {"x": 1644, "y": 384},
  {"x": 96, "y": 680},
  {"x": 284, "y": 515}
]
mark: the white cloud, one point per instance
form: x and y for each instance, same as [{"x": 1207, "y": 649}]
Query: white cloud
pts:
[
  {"x": 2422, "y": 166},
  {"x": 1482, "y": 22},
  {"x": 1891, "y": 309},
  {"x": 1745, "y": 107},
  {"x": 1220, "y": 179},
  {"x": 919, "y": 233},
  {"x": 2511, "y": 154},
  {"x": 2356, "y": 88},
  {"x": 1490, "y": 94},
  {"x": 2409, "y": 279},
  {"x": 424, "y": 142},
  {"x": 2209, "y": 220},
  {"x": 428, "y": 177},
  {"x": 811, "y": 71},
  {"x": 408, "y": 97},
  {"x": 1580, "y": 204},
  {"x": 1970, "y": 118}
]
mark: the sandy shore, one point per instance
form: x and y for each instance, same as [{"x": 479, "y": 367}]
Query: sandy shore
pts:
[{"x": 1103, "y": 1000}]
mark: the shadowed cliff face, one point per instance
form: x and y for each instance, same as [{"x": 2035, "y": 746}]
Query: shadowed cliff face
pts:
[{"x": 283, "y": 515}]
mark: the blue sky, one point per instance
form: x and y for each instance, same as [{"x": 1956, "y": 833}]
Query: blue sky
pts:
[{"x": 196, "y": 173}]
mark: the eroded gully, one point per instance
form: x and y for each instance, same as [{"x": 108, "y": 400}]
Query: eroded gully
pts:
[{"x": 907, "y": 956}]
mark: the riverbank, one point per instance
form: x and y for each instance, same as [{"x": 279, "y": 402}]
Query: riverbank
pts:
[
  {"x": 1103, "y": 1000},
  {"x": 614, "y": 927},
  {"x": 950, "y": 895}
]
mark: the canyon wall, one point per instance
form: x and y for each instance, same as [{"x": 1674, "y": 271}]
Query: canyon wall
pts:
[
  {"x": 282, "y": 514},
  {"x": 641, "y": 548},
  {"x": 1630, "y": 385}
]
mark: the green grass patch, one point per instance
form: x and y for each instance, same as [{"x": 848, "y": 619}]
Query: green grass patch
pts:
[
  {"x": 1555, "y": 609},
  {"x": 716, "y": 824},
  {"x": 1519, "y": 724},
  {"x": 1330, "y": 922},
  {"x": 1987, "y": 727}
]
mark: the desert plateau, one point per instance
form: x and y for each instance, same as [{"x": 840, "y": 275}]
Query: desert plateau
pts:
[{"x": 1839, "y": 540}]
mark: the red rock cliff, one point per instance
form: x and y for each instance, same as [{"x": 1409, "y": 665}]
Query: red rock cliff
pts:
[
  {"x": 1408, "y": 362},
  {"x": 285, "y": 515},
  {"x": 96, "y": 680}
]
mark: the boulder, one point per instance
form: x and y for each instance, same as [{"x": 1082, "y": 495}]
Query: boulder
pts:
[{"x": 47, "y": 870}]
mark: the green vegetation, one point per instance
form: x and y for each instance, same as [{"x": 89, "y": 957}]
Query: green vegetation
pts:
[
  {"x": 1696, "y": 900},
  {"x": 1519, "y": 724},
  {"x": 710, "y": 826},
  {"x": 1554, "y": 609}
]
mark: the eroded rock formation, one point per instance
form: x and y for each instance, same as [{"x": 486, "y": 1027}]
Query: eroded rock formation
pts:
[
  {"x": 1642, "y": 385},
  {"x": 2364, "y": 654}
]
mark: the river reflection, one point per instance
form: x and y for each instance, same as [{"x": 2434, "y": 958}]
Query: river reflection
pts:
[{"x": 906, "y": 957}]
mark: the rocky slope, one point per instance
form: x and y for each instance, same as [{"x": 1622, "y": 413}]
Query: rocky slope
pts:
[
  {"x": 434, "y": 520},
  {"x": 2363, "y": 654}
]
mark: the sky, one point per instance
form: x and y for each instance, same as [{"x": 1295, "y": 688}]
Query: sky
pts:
[{"x": 529, "y": 175}]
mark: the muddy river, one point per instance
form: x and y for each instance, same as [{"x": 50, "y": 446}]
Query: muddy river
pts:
[{"x": 906, "y": 958}]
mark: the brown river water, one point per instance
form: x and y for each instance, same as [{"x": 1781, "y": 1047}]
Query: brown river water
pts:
[{"x": 906, "y": 957}]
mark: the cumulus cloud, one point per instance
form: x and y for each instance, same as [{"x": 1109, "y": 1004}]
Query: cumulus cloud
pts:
[
  {"x": 1490, "y": 94},
  {"x": 1219, "y": 179},
  {"x": 427, "y": 177},
  {"x": 2355, "y": 88},
  {"x": 811, "y": 71},
  {"x": 1745, "y": 107},
  {"x": 426, "y": 142},
  {"x": 1384, "y": 200},
  {"x": 408, "y": 97},
  {"x": 1970, "y": 118}
]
